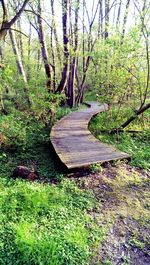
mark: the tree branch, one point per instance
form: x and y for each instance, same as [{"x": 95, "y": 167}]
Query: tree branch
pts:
[
  {"x": 6, "y": 25},
  {"x": 14, "y": 19},
  {"x": 132, "y": 118}
]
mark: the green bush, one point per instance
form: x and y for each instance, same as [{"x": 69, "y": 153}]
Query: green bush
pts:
[{"x": 12, "y": 132}]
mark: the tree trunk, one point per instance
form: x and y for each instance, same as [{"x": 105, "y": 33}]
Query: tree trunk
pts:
[
  {"x": 47, "y": 67},
  {"x": 71, "y": 89},
  {"x": 1, "y": 54},
  {"x": 83, "y": 37},
  {"x": 100, "y": 22},
  {"x": 19, "y": 65},
  {"x": 20, "y": 41},
  {"x": 125, "y": 18},
  {"x": 119, "y": 12},
  {"x": 55, "y": 31},
  {"x": 17, "y": 56},
  {"x": 53, "y": 61},
  {"x": 64, "y": 75},
  {"x": 106, "y": 18},
  {"x": 29, "y": 51},
  {"x": 79, "y": 97}
]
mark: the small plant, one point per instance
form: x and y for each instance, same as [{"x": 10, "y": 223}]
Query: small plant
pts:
[
  {"x": 137, "y": 243},
  {"x": 96, "y": 168}
]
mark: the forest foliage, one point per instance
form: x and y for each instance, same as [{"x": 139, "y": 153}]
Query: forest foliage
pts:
[{"x": 61, "y": 54}]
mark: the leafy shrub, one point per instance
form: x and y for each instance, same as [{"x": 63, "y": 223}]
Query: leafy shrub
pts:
[
  {"x": 12, "y": 132},
  {"x": 44, "y": 106}
]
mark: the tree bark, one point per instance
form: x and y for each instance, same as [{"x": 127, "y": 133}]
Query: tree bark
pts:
[
  {"x": 79, "y": 97},
  {"x": 125, "y": 19},
  {"x": 55, "y": 31},
  {"x": 20, "y": 40},
  {"x": 64, "y": 75},
  {"x": 71, "y": 89},
  {"x": 106, "y": 18},
  {"x": 29, "y": 50},
  {"x": 100, "y": 22},
  {"x": 83, "y": 37},
  {"x": 47, "y": 67},
  {"x": 1, "y": 54},
  {"x": 17, "y": 56},
  {"x": 119, "y": 12},
  {"x": 53, "y": 61},
  {"x": 19, "y": 65}
]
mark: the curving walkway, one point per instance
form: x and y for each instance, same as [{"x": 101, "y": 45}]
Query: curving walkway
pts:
[{"x": 74, "y": 143}]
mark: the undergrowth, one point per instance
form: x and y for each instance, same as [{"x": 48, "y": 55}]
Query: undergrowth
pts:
[
  {"x": 41, "y": 222},
  {"x": 136, "y": 144},
  {"x": 24, "y": 140},
  {"x": 46, "y": 224}
]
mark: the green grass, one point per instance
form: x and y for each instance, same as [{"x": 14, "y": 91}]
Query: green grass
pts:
[
  {"x": 136, "y": 144},
  {"x": 46, "y": 224},
  {"x": 90, "y": 96}
]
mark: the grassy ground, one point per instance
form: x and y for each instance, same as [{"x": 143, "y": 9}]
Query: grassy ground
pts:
[
  {"x": 136, "y": 144},
  {"x": 98, "y": 215},
  {"x": 46, "y": 224}
]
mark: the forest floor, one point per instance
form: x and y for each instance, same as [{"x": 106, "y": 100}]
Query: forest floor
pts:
[
  {"x": 122, "y": 192},
  {"x": 120, "y": 223},
  {"x": 100, "y": 213}
]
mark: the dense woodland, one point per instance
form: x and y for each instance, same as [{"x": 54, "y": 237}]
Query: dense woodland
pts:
[{"x": 54, "y": 56}]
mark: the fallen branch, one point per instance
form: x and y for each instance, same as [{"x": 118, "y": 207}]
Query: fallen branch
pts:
[
  {"x": 117, "y": 131},
  {"x": 132, "y": 118}
]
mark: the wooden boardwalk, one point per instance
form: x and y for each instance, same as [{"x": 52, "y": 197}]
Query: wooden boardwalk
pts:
[{"x": 74, "y": 143}]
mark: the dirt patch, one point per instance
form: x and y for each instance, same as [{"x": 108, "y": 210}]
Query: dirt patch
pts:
[
  {"x": 122, "y": 192},
  {"x": 125, "y": 244}
]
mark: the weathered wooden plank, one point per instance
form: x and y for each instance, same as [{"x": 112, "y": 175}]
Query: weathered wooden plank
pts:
[{"x": 75, "y": 145}]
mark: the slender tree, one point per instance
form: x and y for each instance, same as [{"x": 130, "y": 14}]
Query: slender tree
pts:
[
  {"x": 119, "y": 13},
  {"x": 125, "y": 18},
  {"x": 17, "y": 56},
  {"x": 47, "y": 66},
  {"x": 64, "y": 75},
  {"x": 19, "y": 63},
  {"x": 73, "y": 63},
  {"x": 106, "y": 18},
  {"x": 100, "y": 21},
  {"x": 55, "y": 31}
]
